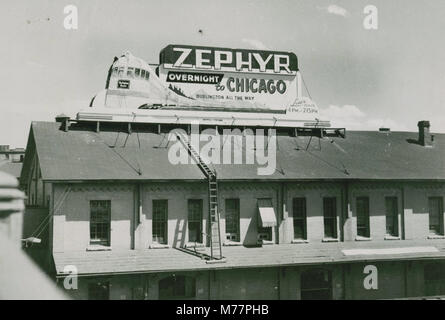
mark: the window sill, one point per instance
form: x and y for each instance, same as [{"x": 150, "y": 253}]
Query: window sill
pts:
[
  {"x": 158, "y": 246},
  {"x": 232, "y": 243},
  {"x": 360, "y": 238},
  {"x": 98, "y": 247},
  {"x": 265, "y": 242},
  {"x": 435, "y": 236},
  {"x": 300, "y": 241},
  {"x": 388, "y": 237},
  {"x": 194, "y": 245},
  {"x": 330, "y": 240}
]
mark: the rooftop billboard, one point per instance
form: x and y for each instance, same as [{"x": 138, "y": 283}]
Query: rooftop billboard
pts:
[{"x": 235, "y": 77}]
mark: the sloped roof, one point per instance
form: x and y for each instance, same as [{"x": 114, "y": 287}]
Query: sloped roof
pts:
[
  {"x": 13, "y": 168},
  {"x": 171, "y": 260},
  {"x": 87, "y": 155}
]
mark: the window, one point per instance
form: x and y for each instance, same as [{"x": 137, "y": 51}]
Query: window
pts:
[
  {"x": 159, "y": 222},
  {"x": 137, "y": 72},
  {"x": 435, "y": 206},
  {"x": 267, "y": 219},
  {"x": 232, "y": 220},
  {"x": 130, "y": 72},
  {"x": 392, "y": 216},
  {"x": 330, "y": 217},
  {"x": 142, "y": 73},
  {"x": 362, "y": 207},
  {"x": 265, "y": 233},
  {"x": 121, "y": 71},
  {"x": 434, "y": 277},
  {"x": 316, "y": 284},
  {"x": 177, "y": 287},
  {"x": 100, "y": 213},
  {"x": 147, "y": 75},
  {"x": 299, "y": 217},
  {"x": 99, "y": 291},
  {"x": 195, "y": 220}
]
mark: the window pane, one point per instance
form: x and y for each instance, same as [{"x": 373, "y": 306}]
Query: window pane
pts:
[
  {"x": 130, "y": 72},
  {"x": 330, "y": 217},
  {"x": 100, "y": 213},
  {"x": 232, "y": 219},
  {"x": 195, "y": 220},
  {"x": 299, "y": 217},
  {"x": 137, "y": 72},
  {"x": 392, "y": 220},
  {"x": 159, "y": 222},
  {"x": 363, "y": 216},
  {"x": 435, "y": 205}
]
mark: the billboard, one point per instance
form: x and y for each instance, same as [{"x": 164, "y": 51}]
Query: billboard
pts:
[{"x": 233, "y": 77}]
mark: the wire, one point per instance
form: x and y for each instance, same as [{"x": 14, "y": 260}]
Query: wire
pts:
[{"x": 305, "y": 86}]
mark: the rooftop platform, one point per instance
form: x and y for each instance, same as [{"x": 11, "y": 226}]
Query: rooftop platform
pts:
[{"x": 174, "y": 260}]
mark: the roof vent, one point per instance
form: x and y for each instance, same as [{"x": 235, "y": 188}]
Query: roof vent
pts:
[
  {"x": 64, "y": 120},
  {"x": 426, "y": 139}
]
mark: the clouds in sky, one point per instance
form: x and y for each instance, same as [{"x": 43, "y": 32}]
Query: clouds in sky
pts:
[
  {"x": 256, "y": 44},
  {"x": 335, "y": 10},
  {"x": 352, "y": 118}
]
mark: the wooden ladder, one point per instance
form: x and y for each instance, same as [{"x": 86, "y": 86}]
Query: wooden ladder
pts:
[{"x": 215, "y": 233}]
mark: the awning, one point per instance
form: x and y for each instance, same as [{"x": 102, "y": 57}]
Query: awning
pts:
[{"x": 266, "y": 213}]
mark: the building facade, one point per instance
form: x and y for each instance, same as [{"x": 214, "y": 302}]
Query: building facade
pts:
[{"x": 354, "y": 217}]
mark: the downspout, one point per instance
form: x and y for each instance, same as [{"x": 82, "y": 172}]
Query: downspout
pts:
[
  {"x": 403, "y": 226},
  {"x": 137, "y": 213},
  {"x": 345, "y": 211}
]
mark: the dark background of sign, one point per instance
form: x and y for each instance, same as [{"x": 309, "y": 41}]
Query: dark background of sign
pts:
[{"x": 167, "y": 55}]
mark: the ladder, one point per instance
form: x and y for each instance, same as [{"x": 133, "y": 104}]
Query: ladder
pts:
[{"x": 215, "y": 234}]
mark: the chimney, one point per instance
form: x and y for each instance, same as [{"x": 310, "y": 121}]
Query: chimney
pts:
[
  {"x": 64, "y": 120},
  {"x": 426, "y": 139}
]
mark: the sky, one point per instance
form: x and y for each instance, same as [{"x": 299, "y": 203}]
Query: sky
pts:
[{"x": 360, "y": 79}]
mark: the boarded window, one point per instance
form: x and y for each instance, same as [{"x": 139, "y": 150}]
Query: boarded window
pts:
[
  {"x": 330, "y": 217},
  {"x": 299, "y": 217},
  {"x": 160, "y": 218},
  {"x": 435, "y": 206},
  {"x": 100, "y": 220},
  {"x": 99, "y": 291},
  {"x": 232, "y": 219},
  {"x": 177, "y": 287},
  {"x": 434, "y": 275},
  {"x": 392, "y": 216},
  {"x": 195, "y": 220},
  {"x": 316, "y": 284},
  {"x": 362, "y": 207}
]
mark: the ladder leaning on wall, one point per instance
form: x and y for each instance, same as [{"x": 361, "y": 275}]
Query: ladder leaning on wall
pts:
[{"x": 215, "y": 234}]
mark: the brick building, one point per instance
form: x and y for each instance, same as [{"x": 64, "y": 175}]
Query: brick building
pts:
[{"x": 352, "y": 216}]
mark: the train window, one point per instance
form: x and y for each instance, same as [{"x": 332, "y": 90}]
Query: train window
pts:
[
  {"x": 142, "y": 73},
  {"x": 147, "y": 75},
  {"x": 115, "y": 71},
  {"x": 137, "y": 72},
  {"x": 121, "y": 71},
  {"x": 130, "y": 72}
]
